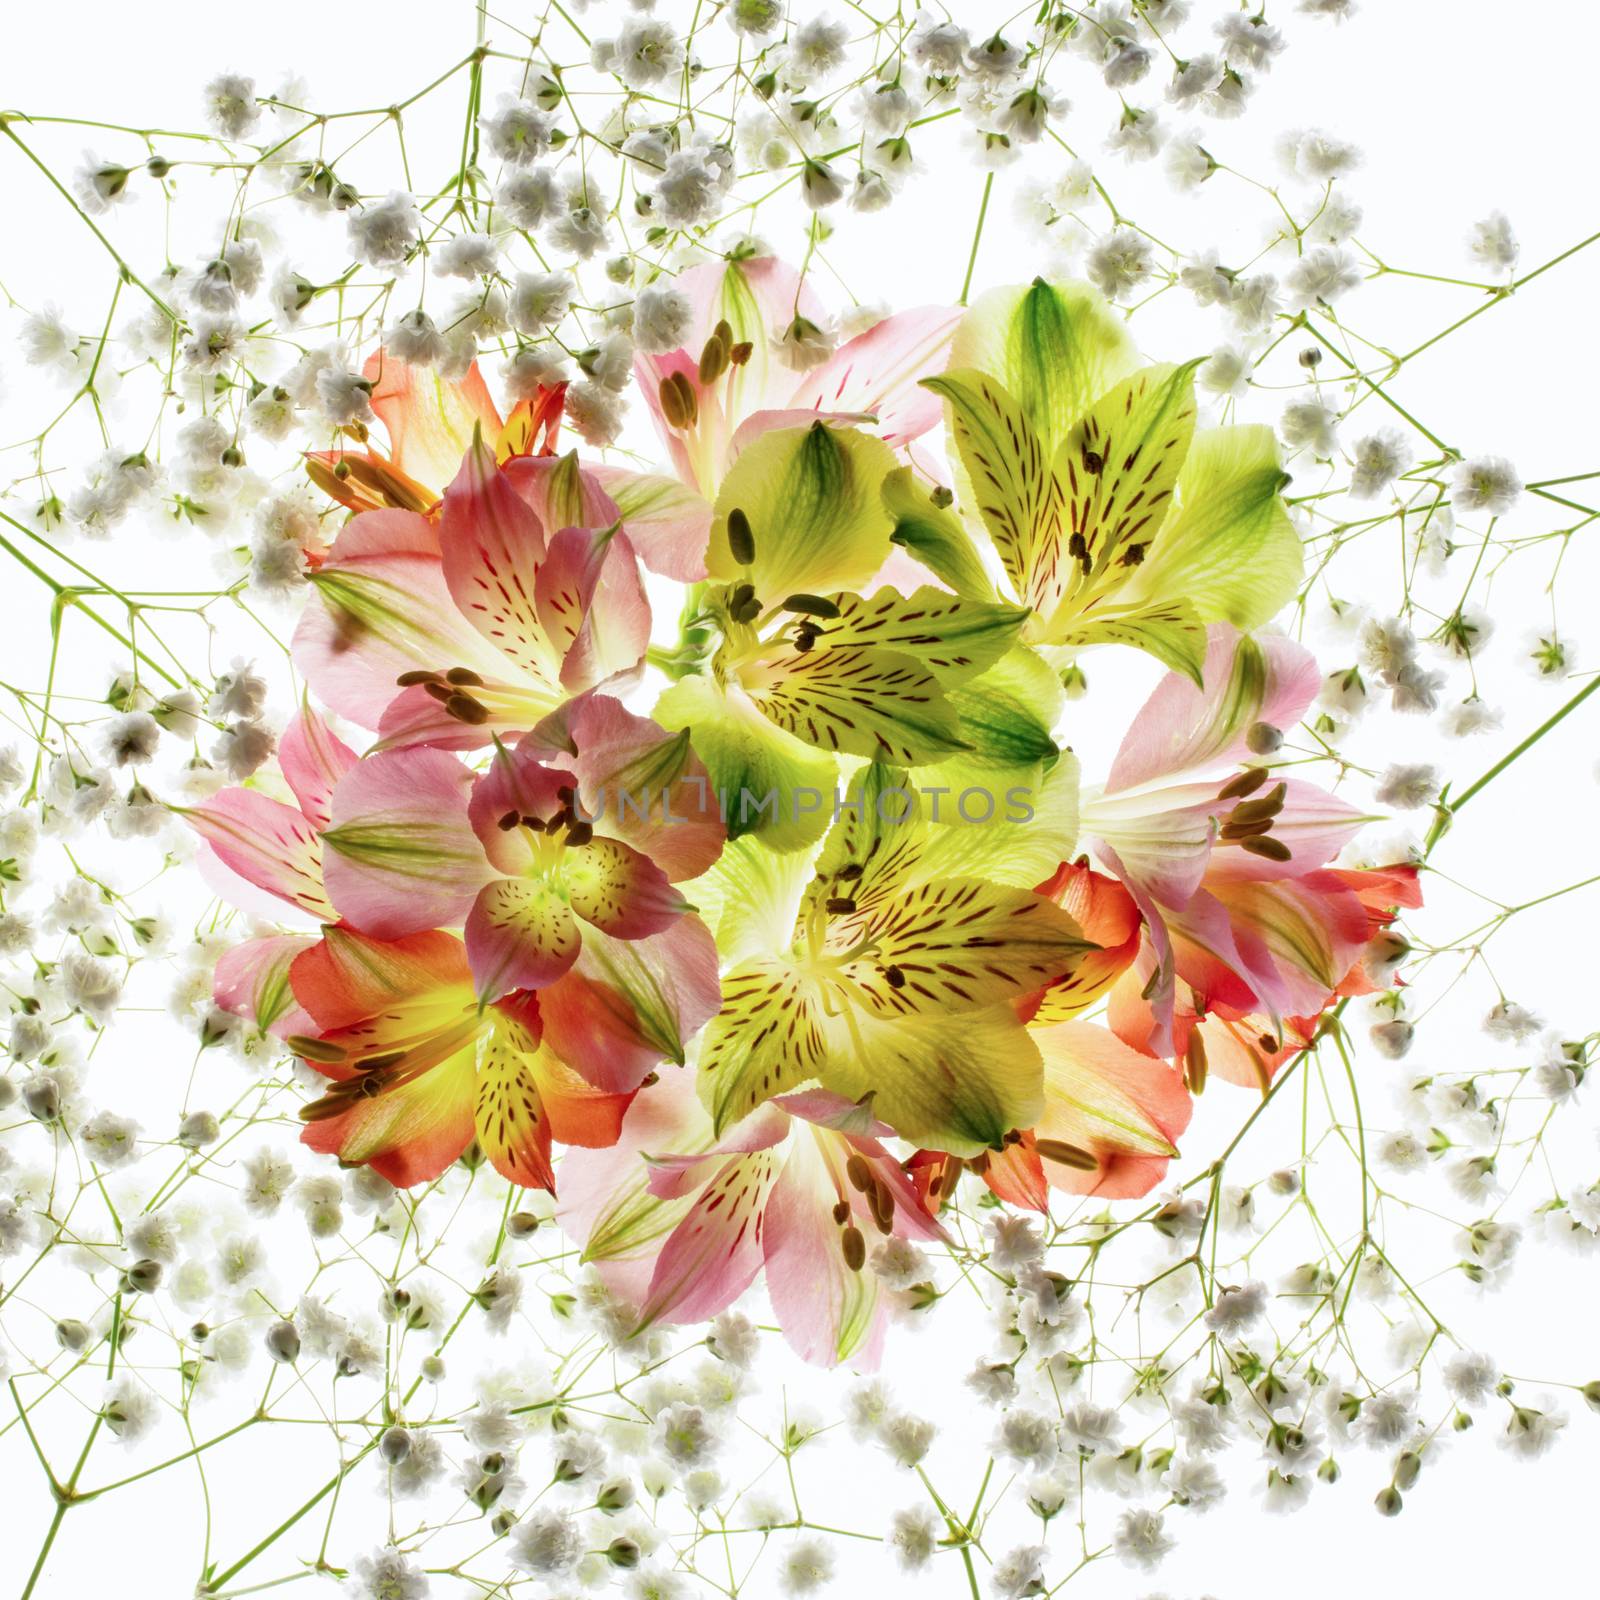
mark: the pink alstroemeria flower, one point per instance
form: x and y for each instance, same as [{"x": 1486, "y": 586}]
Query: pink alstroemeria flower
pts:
[
  {"x": 727, "y": 397},
  {"x": 558, "y": 845},
  {"x": 1229, "y": 869},
  {"x": 679, "y": 1224},
  {"x": 523, "y": 593},
  {"x": 259, "y": 844}
]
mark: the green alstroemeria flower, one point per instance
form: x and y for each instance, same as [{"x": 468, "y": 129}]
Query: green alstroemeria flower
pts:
[
  {"x": 886, "y": 963},
  {"x": 1116, "y": 521},
  {"x": 807, "y": 669}
]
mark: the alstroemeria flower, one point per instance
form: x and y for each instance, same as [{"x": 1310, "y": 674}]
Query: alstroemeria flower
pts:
[
  {"x": 524, "y": 593},
  {"x": 1228, "y": 867},
  {"x": 727, "y": 385},
  {"x": 679, "y": 1223},
  {"x": 259, "y": 843},
  {"x": 1111, "y": 1119},
  {"x": 806, "y": 668},
  {"x": 420, "y": 1068},
  {"x": 1116, "y": 522},
  {"x": 430, "y": 421},
  {"x": 534, "y": 857},
  {"x": 1238, "y": 1040},
  {"x": 887, "y": 964}
]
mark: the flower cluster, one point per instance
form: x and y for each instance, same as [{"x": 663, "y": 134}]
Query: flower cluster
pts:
[{"x": 659, "y": 829}]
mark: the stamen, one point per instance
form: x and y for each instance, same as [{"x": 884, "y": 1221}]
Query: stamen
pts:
[
  {"x": 1066, "y": 1155},
  {"x": 741, "y": 540},
  {"x": 1246, "y": 782},
  {"x": 1267, "y": 848}
]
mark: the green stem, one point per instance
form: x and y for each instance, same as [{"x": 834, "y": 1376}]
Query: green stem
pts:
[{"x": 977, "y": 235}]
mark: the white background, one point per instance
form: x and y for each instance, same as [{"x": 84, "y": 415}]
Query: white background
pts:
[{"x": 1460, "y": 109}]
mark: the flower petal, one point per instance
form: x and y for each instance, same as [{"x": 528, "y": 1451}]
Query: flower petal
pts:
[
  {"x": 521, "y": 934},
  {"x": 401, "y": 855},
  {"x": 430, "y": 420}
]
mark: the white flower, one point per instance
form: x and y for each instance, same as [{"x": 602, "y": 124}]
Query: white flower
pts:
[
  {"x": 817, "y": 49},
  {"x": 344, "y": 396},
  {"x": 1090, "y": 1428},
  {"x": 993, "y": 1381},
  {"x": 1019, "y": 1572},
  {"x": 1194, "y": 1484},
  {"x": 1323, "y": 275},
  {"x": 547, "y": 1543},
  {"x": 1386, "y": 1419},
  {"x": 1138, "y": 136},
  {"x": 682, "y": 1433},
  {"x": 129, "y": 1410},
  {"x": 466, "y": 255},
  {"x": 112, "y": 1140},
  {"x": 734, "y": 1338},
  {"x": 1316, "y": 156},
  {"x": 1530, "y": 1433},
  {"x": 807, "y": 1565},
  {"x": 1248, "y": 40},
  {"x": 384, "y": 234},
  {"x": 539, "y": 300},
  {"x": 386, "y": 1574},
  {"x": 1028, "y": 1438},
  {"x": 90, "y": 985},
  {"x": 414, "y": 339},
  {"x": 1494, "y": 244},
  {"x": 1378, "y": 460},
  {"x": 1310, "y": 425},
  {"x": 1485, "y": 483},
  {"x": 908, "y": 1439},
  {"x": 753, "y": 18},
  {"x": 1512, "y": 1023},
  {"x": 1408, "y": 786},
  {"x": 1471, "y": 1376},
  {"x": 1237, "y": 1308},
  {"x": 268, "y": 1178},
  {"x": 519, "y": 132},
  {"x": 1470, "y": 716},
  {"x": 231, "y": 104},
  {"x": 526, "y": 199},
  {"x": 595, "y": 411},
  {"x": 1226, "y": 372},
  {"x": 913, "y": 1536},
  {"x": 1119, "y": 262},
  {"x": 660, "y": 318},
  {"x": 132, "y": 738},
  {"x": 820, "y": 185},
  {"x": 1548, "y": 655},
  {"x": 1140, "y": 1539},
  {"x": 899, "y": 1263}
]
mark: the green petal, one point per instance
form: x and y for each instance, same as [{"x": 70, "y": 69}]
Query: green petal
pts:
[
  {"x": 764, "y": 779},
  {"x": 1229, "y": 547},
  {"x": 772, "y": 1034},
  {"x": 1034, "y": 829},
  {"x": 935, "y": 535},
  {"x": 864, "y": 701},
  {"x": 955, "y": 639},
  {"x": 750, "y": 896},
  {"x": 813, "y": 497},
  {"x": 1117, "y": 469},
  {"x": 1055, "y": 346},
  {"x": 945, "y": 1083},
  {"x": 1007, "y": 715},
  {"x": 1167, "y": 629},
  {"x": 1009, "y": 476}
]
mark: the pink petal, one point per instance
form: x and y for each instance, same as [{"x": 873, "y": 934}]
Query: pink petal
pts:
[
  {"x": 880, "y": 371},
  {"x": 520, "y": 935},
  {"x": 252, "y": 981},
  {"x": 626, "y": 1005},
  {"x": 430, "y": 420},
  {"x": 592, "y": 606},
  {"x": 827, "y": 1312},
  {"x": 646, "y": 786},
  {"x": 669, "y": 525},
  {"x": 401, "y": 855},
  {"x": 268, "y": 844},
  {"x": 1183, "y": 729},
  {"x": 389, "y": 562},
  {"x": 313, "y": 759},
  {"x": 715, "y": 1252},
  {"x": 620, "y": 891},
  {"x": 492, "y": 545}
]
